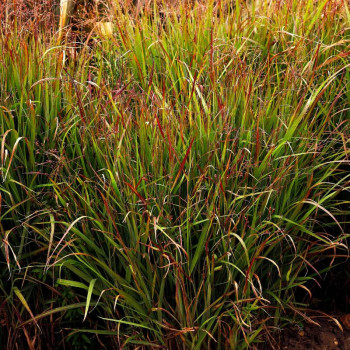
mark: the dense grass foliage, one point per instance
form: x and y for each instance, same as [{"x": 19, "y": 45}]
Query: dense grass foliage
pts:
[{"x": 176, "y": 185}]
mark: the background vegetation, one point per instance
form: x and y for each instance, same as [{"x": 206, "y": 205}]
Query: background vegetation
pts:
[{"x": 176, "y": 185}]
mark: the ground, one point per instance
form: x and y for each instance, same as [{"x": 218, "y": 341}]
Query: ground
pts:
[{"x": 325, "y": 336}]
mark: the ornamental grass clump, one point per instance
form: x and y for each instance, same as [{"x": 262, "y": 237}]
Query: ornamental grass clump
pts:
[{"x": 180, "y": 184}]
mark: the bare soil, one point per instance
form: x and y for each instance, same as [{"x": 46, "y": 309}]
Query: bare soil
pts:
[{"x": 325, "y": 336}]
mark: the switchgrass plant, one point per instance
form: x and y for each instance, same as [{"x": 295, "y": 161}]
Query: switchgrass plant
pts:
[{"x": 176, "y": 185}]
